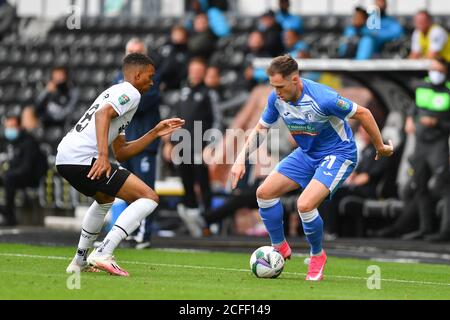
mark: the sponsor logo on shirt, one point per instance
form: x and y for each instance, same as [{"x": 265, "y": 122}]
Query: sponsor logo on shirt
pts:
[
  {"x": 344, "y": 105},
  {"x": 123, "y": 99},
  {"x": 299, "y": 129}
]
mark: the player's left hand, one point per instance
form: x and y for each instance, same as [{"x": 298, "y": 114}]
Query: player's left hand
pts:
[
  {"x": 168, "y": 126},
  {"x": 386, "y": 151}
]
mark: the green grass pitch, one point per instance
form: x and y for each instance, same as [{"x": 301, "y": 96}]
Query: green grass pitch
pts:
[{"x": 34, "y": 272}]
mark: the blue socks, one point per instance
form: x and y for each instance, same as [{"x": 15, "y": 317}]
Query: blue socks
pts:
[
  {"x": 313, "y": 228},
  {"x": 271, "y": 212}
]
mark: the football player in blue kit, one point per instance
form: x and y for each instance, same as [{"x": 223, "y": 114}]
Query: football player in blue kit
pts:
[{"x": 317, "y": 117}]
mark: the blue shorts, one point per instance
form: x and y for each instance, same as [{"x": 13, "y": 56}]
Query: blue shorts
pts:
[{"x": 331, "y": 170}]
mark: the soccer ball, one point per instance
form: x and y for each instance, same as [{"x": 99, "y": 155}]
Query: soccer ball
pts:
[{"x": 266, "y": 262}]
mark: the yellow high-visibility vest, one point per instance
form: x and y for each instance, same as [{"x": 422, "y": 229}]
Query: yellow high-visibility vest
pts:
[{"x": 424, "y": 41}]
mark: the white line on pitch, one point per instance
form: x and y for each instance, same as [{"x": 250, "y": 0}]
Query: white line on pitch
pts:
[{"x": 20, "y": 255}]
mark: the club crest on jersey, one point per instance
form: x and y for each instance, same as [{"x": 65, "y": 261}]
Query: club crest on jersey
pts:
[
  {"x": 123, "y": 99},
  {"x": 308, "y": 116},
  {"x": 344, "y": 105}
]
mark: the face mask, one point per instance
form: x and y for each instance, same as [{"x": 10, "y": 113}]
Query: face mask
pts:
[
  {"x": 436, "y": 77},
  {"x": 11, "y": 134}
]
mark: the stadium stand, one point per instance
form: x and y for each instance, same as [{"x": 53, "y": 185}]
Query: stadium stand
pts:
[{"x": 94, "y": 53}]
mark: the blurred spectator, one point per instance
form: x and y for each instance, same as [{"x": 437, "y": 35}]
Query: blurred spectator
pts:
[
  {"x": 58, "y": 101},
  {"x": 143, "y": 165},
  {"x": 271, "y": 31},
  {"x": 295, "y": 47},
  {"x": 429, "y": 40},
  {"x": 286, "y": 19},
  {"x": 7, "y": 18},
  {"x": 25, "y": 166},
  {"x": 374, "y": 38},
  {"x": 245, "y": 119},
  {"x": 202, "y": 41},
  {"x": 31, "y": 123},
  {"x": 196, "y": 107},
  {"x": 430, "y": 121},
  {"x": 228, "y": 100},
  {"x": 255, "y": 49},
  {"x": 175, "y": 58},
  {"x": 353, "y": 33},
  {"x": 212, "y": 81},
  {"x": 214, "y": 9},
  {"x": 115, "y": 7},
  {"x": 361, "y": 183}
]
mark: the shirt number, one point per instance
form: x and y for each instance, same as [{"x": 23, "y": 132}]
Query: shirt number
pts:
[
  {"x": 330, "y": 160},
  {"x": 83, "y": 123}
]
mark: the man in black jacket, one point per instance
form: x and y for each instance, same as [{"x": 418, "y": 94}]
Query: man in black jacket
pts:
[
  {"x": 198, "y": 107},
  {"x": 25, "y": 165},
  {"x": 58, "y": 101},
  {"x": 175, "y": 58},
  {"x": 430, "y": 121}
]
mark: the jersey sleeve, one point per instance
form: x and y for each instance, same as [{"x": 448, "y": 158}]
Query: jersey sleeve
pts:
[
  {"x": 336, "y": 105},
  {"x": 415, "y": 43},
  {"x": 438, "y": 39},
  {"x": 123, "y": 98},
  {"x": 270, "y": 114}
]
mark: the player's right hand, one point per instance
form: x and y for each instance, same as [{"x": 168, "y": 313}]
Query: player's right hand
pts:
[
  {"x": 237, "y": 172},
  {"x": 385, "y": 151},
  {"x": 100, "y": 166}
]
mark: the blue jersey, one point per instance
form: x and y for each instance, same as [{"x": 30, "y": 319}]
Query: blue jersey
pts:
[{"x": 317, "y": 120}]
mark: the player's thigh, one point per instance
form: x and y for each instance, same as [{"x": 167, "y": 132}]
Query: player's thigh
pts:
[
  {"x": 313, "y": 195},
  {"x": 328, "y": 177},
  {"x": 275, "y": 185},
  {"x": 134, "y": 189}
]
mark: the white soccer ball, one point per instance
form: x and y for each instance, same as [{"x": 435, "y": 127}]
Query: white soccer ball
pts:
[{"x": 266, "y": 262}]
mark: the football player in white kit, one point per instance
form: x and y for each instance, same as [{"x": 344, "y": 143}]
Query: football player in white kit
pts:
[{"x": 83, "y": 160}]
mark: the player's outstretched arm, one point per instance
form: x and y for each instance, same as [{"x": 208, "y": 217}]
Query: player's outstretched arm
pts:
[
  {"x": 368, "y": 122},
  {"x": 256, "y": 138},
  {"x": 124, "y": 150},
  {"x": 103, "y": 119}
]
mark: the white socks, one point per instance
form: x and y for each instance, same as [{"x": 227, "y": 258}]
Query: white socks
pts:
[
  {"x": 91, "y": 227},
  {"x": 127, "y": 222},
  {"x": 309, "y": 216}
]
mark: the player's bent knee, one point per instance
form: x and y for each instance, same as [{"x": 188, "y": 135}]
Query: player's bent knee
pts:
[
  {"x": 305, "y": 206},
  {"x": 263, "y": 193},
  {"x": 150, "y": 194}
]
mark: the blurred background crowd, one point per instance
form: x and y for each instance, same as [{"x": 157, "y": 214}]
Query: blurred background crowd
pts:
[{"x": 51, "y": 73}]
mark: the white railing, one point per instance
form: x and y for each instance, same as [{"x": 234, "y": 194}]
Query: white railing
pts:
[{"x": 354, "y": 65}]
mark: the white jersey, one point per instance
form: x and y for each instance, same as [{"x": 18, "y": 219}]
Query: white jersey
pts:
[{"x": 79, "y": 146}]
